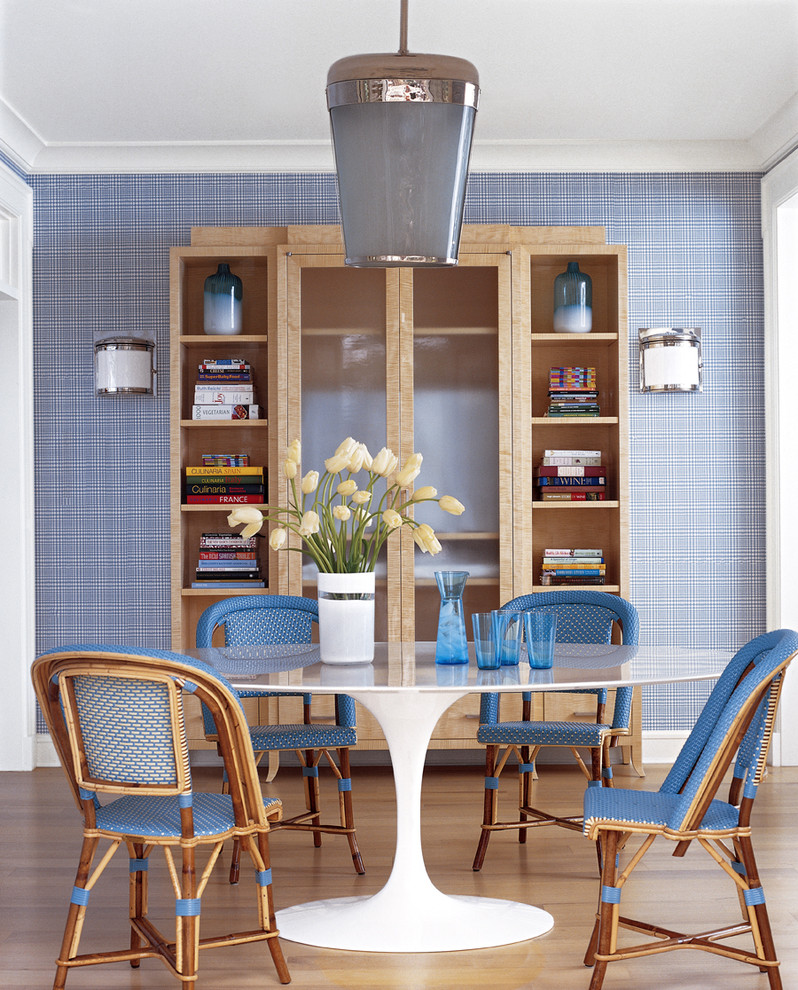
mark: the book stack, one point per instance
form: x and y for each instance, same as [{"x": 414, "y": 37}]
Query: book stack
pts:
[
  {"x": 568, "y": 567},
  {"x": 226, "y": 560},
  {"x": 224, "y": 390},
  {"x": 211, "y": 484},
  {"x": 573, "y": 392},
  {"x": 571, "y": 476}
]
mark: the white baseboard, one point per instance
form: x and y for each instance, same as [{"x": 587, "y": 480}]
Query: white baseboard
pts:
[{"x": 663, "y": 745}]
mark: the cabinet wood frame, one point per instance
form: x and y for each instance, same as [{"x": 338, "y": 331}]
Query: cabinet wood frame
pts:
[{"x": 530, "y": 256}]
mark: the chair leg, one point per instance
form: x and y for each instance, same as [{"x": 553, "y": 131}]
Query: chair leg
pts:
[
  {"x": 266, "y": 906},
  {"x": 187, "y": 922},
  {"x": 310, "y": 775},
  {"x": 138, "y": 894},
  {"x": 76, "y": 913},
  {"x": 489, "y": 806},
  {"x": 608, "y": 911},
  {"x": 525, "y": 787},
  {"x": 235, "y": 861},
  {"x": 347, "y": 813},
  {"x": 758, "y": 914}
]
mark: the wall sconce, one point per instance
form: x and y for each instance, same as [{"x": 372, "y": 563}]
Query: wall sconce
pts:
[
  {"x": 670, "y": 359},
  {"x": 124, "y": 365},
  {"x": 401, "y": 129}
]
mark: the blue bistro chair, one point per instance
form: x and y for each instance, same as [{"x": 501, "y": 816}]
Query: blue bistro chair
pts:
[
  {"x": 251, "y": 620},
  {"x": 115, "y": 716},
  {"x": 582, "y": 617},
  {"x": 735, "y": 725}
]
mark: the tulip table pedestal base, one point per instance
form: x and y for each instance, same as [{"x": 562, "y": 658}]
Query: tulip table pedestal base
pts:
[{"x": 410, "y": 914}]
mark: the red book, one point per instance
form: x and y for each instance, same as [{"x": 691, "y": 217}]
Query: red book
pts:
[
  {"x": 224, "y": 499},
  {"x": 577, "y": 495}
]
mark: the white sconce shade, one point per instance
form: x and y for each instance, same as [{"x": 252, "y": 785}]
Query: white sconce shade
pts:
[
  {"x": 670, "y": 359},
  {"x": 124, "y": 365},
  {"x": 401, "y": 127}
]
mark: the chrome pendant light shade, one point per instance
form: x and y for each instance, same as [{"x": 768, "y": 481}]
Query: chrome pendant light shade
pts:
[{"x": 401, "y": 128}]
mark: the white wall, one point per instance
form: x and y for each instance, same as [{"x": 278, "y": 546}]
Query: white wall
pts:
[{"x": 17, "y": 729}]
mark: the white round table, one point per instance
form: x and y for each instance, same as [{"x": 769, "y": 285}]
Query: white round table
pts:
[{"x": 407, "y": 692}]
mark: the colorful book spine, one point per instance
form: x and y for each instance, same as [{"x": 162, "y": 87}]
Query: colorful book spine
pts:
[
  {"x": 546, "y": 579},
  {"x": 205, "y": 585},
  {"x": 204, "y": 394},
  {"x": 572, "y": 453},
  {"x": 583, "y": 496},
  {"x": 567, "y": 552},
  {"x": 229, "y": 469},
  {"x": 572, "y": 563},
  {"x": 228, "y": 555},
  {"x": 213, "y": 541},
  {"x": 213, "y": 411},
  {"x": 574, "y": 481},
  {"x": 571, "y": 461},
  {"x": 226, "y": 565},
  {"x": 570, "y": 471},
  {"x": 586, "y": 572},
  {"x": 220, "y": 378},
  {"x": 232, "y": 489},
  {"x": 225, "y": 460},
  {"x": 224, "y": 499}
]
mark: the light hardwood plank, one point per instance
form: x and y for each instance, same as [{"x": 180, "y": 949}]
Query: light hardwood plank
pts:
[{"x": 39, "y": 841}]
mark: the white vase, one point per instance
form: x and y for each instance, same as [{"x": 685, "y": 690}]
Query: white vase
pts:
[{"x": 346, "y": 617}]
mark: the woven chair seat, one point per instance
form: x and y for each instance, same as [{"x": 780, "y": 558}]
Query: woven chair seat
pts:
[
  {"x": 650, "y": 809},
  {"x": 159, "y": 817},
  {"x": 543, "y": 733},
  {"x": 301, "y": 736}
]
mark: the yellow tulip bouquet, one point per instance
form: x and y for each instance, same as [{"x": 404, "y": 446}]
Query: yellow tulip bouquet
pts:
[{"x": 341, "y": 529}]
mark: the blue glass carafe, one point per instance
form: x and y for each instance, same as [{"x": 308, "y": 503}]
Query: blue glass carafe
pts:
[{"x": 452, "y": 644}]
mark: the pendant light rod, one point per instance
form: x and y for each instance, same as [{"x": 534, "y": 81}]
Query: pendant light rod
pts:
[{"x": 403, "y": 50}]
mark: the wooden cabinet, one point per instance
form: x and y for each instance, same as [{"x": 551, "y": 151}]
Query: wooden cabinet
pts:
[{"x": 453, "y": 363}]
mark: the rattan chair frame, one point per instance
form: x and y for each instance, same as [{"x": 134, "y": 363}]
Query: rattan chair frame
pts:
[
  {"x": 312, "y": 753},
  {"x": 737, "y": 721},
  {"x": 61, "y": 679},
  {"x": 617, "y": 613}
]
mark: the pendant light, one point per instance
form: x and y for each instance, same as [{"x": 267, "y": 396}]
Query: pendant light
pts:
[{"x": 401, "y": 130}]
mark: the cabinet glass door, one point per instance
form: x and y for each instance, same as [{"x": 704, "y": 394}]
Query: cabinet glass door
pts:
[
  {"x": 338, "y": 356},
  {"x": 461, "y": 425}
]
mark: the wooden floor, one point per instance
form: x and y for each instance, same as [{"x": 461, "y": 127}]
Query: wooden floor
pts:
[{"x": 556, "y": 870}]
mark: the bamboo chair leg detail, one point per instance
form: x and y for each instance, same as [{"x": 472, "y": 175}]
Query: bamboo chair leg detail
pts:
[
  {"x": 758, "y": 915},
  {"x": 138, "y": 896},
  {"x": 608, "y": 912},
  {"x": 235, "y": 861},
  {"x": 489, "y": 807},
  {"x": 76, "y": 913},
  {"x": 347, "y": 813},
  {"x": 525, "y": 788},
  {"x": 310, "y": 773}
]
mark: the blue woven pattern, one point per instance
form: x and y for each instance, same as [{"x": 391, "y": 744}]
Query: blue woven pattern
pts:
[
  {"x": 543, "y": 733},
  {"x": 651, "y": 809},
  {"x": 301, "y": 736},
  {"x": 254, "y": 620},
  {"x": 691, "y": 773},
  {"x": 159, "y": 817},
  {"x": 126, "y": 729},
  {"x": 582, "y": 617}
]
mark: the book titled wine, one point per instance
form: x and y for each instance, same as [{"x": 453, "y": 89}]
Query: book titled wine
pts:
[{"x": 573, "y": 481}]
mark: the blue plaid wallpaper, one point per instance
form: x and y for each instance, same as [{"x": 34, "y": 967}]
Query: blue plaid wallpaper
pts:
[{"x": 697, "y": 461}]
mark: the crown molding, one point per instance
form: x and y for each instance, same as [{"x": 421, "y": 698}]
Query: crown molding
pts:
[
  {"x": 317, "y": 156},
  {"x": 31, "y": 153}
]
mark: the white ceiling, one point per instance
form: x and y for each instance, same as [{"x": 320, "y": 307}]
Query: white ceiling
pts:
[{"x": 167, "y": 85}]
